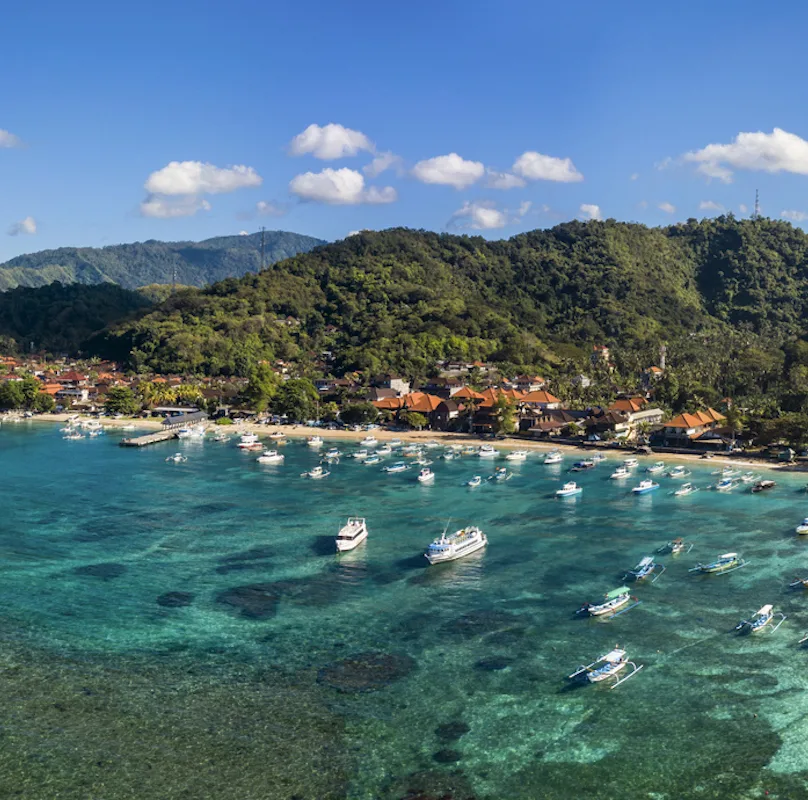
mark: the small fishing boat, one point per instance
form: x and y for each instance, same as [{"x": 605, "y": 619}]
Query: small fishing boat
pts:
[
  {"x": 369, "y": 441},
  {"x": 517, "y": 455},
  {"x": 371, "y": 460},
  {"x": 399, "y": 466},
  {"x": 630, "y": 463},
  {"x": 332, "y": 453},
  {"x": 487, "y": 451},
  {"x": 799, "y": 583},
  {"x": 395, "y": 443},
  {"x": 679, "y": 472},
  {"x": 248, "y": 441},
  {"x": 553, "y": 457},
  {"x": 645, "y": 487},
  {"x": 314, "y": 442},
  {"x": 583, "y": 466},
  {"x": 412, "y": 451},
  {"x": 620, "y": 473},
  {"x": 423, "y": 462},
  {"x": 73, "y": 437},
  {"x": 675, "y": 547},
  {"x": 352, "y": 534},
  {"x": 761, "y": 618},
  {"x": 749, "y": 477},
  {"x": 728, "y": 562},
  {"x": 384, "y": 450},
  {"x": 607, "y": 666},
  {"x": 316, "y": 473},
  {"x": 645, "y": 569},
  {"x": 613, "y": 601},
  {"x": 656, "y": 468},
  {"x": 456, "y": 545},
  {"x": 569, "y": 489},
  {"x": 426, "y": 476},
  {"x": 221, "y": 437},
  {"x": 277, "y": 435},
  {"x": 726, "y": 484},
  {"x": 177, "y": 458},
  {"x": 598, "y": 458},
  {"x": 763, "y": 486},
  {"x": 501, "y": 474},
  {"x": 474, "y": 482},
  {"x": 270, "y": 457},
  {"x": 685, "y": 489},
  {"x": 449, "y": 455},
  {"x": 727, "y": 472},
  {"x": 360, "y": 455},
  {"x": 802, "y": 528}
]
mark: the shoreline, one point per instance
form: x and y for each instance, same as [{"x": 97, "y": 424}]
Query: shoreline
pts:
[{"x": 445, "y": 437}]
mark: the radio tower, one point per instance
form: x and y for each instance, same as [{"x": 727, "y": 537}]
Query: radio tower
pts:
[
  {"x": 756, "y": 215},
  {"x": 262, "y": 248}
]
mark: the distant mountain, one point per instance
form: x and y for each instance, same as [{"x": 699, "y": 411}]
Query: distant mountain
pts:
[{"x": 153, "y": 262}]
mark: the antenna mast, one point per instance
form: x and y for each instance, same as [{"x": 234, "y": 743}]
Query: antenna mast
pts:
[
  {"x": 756, "y": 215},
  {"x": 262, "y": 247}
]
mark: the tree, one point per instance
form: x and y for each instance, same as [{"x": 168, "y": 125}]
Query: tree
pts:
[
  {"x": 329, "y": 412},
  {"x": 121, "y": 400},
  {"x": 29, "y": 386},
  {"x": 261, "y": 387},
  {"x": 359, "y": 414},
  {"x": 11, "y": 395},
  {"x": 574, "y": 429},
  {"x": 44, "y": 403},
  {"x": 297, "y": 399},
  {"x": 413, "y": 419},
  {"x": 504, "y": 416}
]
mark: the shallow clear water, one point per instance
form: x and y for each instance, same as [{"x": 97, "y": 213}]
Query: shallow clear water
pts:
[{"x": 371, "y": 675}]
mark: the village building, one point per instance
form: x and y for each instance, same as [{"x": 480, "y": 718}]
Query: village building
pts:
[{"x": 685, "y": 430}]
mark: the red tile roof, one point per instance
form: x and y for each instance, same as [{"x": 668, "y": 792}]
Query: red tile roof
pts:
[
  {"x": 697, "y": 420},
  {"x": 541, "y": 396}
]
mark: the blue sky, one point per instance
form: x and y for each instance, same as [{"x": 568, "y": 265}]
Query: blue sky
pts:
[{"x": 170, "y": 120}]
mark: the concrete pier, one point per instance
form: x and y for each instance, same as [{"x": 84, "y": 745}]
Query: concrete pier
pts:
[{"x": 149, "y": 438}]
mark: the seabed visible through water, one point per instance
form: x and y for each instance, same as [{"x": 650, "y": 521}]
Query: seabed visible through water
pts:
[{"x": 186, "y": 631}]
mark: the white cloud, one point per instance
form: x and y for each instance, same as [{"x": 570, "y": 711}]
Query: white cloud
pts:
[
  {"x": 742, "y": 208},
  {"x": 778, "y": 151},
  {"x": 450, "y": 170},
  {"x": 502, "y": 180},
  {"x": 537, "y": 167},
  {"x": 480, "y": 216},
  {"x": 243, "y": 233},
  {"x": 195, "y": 177},
  {"x": 795, "y": 216},
  {"x": 634, "y": 176},
  {"x": 8, "y": 139},
  {"x": 667, "y": 207},
  {"x": 27, "y": 225},
  {"x": 160, "y": 207},
  {"x": 590, "y": 211},
  {"x": 269, "y": 209},
  {"x": 352, "y": 233},
  {"x": 330, "y": 142},
  {"x": 710, "y": 205},
  {"x": 382, "y": 162},
  {"x": 339, "y": 187},
  {"x": 524, "y": 207}
]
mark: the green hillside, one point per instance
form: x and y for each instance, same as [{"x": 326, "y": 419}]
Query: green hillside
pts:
[{"x": 153, "y": 262}]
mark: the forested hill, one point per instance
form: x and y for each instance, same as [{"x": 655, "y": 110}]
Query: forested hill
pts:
[
  {"x": 401, "y": 299},
  {"x": 153, "y": 262}
]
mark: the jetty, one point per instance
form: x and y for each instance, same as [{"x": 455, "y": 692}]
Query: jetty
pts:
[
  {"x": 149, "y": 438},
  {"x": 171, "y": 425}
]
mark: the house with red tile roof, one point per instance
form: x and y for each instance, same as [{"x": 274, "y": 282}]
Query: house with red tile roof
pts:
[
  {"x": 628, "y": 405},
  {"x": 540, "y": 399},
  {"x": 685, "y": 429}
]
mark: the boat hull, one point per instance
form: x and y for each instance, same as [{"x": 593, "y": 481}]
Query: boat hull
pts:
[{"x": 441, "y": 558}]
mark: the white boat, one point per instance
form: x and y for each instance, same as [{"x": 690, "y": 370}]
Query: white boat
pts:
[
  {"x": 645, "y": 569},
  {"x": 727, "y": 472},
  {"x": 352, "y": 534},
  {"x": 248, "y": 441},
  {"x": 384, "y": 450},
  {"x": 474, "y": 482},
  {"x": 128, "y": 427},
  {"x": 605, "y": 667},
  {"x": 360, "y": 455},
  {"x": 431, "y": 444},
  {"x": 553, "y": 457},
  {"x": 369, "y": 441},
  {"x": 620, "y": 473},
  {"x": 802, "y": 528},
  {"x": 96, "y": 433},
  {"x": 270, "y": 457},
  {"x": 569, "y": 489},
  {"x": 314, "y": 442},
  {"x": 599, "y": 458},
  {"x": 72, "y": 437},
  {"x": 412, "y": 451},
  {"x": 726, "y": 484},
  {"x": 487, "y": 451},
  {"x": 760, "y": 619},
  {"x": 749, "y": 477},
  {"x": 277, "y": 435},
  {"x": 426, "y": 476},
  {"x": 612, "y": 601},
  {"x": 332, "y": 453},
  {"x": 679, "y": 472},
  {"x": 685, "y": 489},
  {"x": 656, "y": 468},
  {"x": 645, "y": 487},
  {"x": 449, "y": 455},
  {"x": 501, "y": 474},
  {"x": 456, "y": 545},
  {"x": 316, "y": 473},
  {"x": 191, "y": 432},
  {"x": 517, "y": 455},
  {"x": 630, "y": 463},
  {"x": 221, "y": 437},
  {"x": 372, "y": 460},
  {"x": 675, "y": 547},
  {"x": 724, "y": 563},
  {"x": 399, "y": 466},
  {"x": 395, "y": 443},
  {"x": 177, "y": 458}
]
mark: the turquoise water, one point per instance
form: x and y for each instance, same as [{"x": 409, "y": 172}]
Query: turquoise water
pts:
[{"x": 273, "y": 668}]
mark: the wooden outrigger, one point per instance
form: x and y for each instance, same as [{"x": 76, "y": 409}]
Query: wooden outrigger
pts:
[
  {"x": 761, "y": 618},
  {"x": 645, "y": 569},
  {"x": 675, "y": 546},
  {"x": 728, "y": 562},
  {"x": 799, "y": 583},
  {"x": 615, "y": 602},
  {"x": 607, "y": 666}
]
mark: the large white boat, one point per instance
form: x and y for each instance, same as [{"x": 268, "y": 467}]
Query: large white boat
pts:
[
  {"x": 656, "y": 468},
  {"x": 517, "y": 455},
  {"x": 361, "y": 454},
  {"x": 353, "y": 533},
  {"x": 426, "y": 476},
  {"x": 270, "y": 457},
  {"x": 553, "y": 457},
  {"x": 487, "y": 451},
  {"x": 456, "y": 545},
  {"x": 315, "y": 441},
  {"x": 646, "y": 486},
  {"x": 679, "y": 472},
  {"x": 569, "y": 489},
  {"x": 247, "y": 441},
  {"x": 315, "y": 473},
  {"x": 191, "y": 432},
  {"x": 384, "y": 450},
  {"x": 630, "y": 463},
  {"x": 369, "y": 441},
  {"x": 802, "y": 528},
  {"x": 399, "y": 466},
  {"x": 619, "y": 473}
]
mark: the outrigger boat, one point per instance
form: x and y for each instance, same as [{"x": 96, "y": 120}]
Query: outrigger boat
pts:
[
  {"x": 569, "y": 489},
  {"x": 728, "y": 562},
  {"x": 675, "y": 546},
  {"x": 760, "y": 620},
  {"x": 645, "y": 569},
  {"x": 605, "y": 667},
  {"x": 685, "y": 489},
  {"x": 553, "y": 457},
  {"x": 800, "y": 583},
  {"x": 315, "y": 473},
  {"x": 620, "y": 473},
  {"x": 612, "y": 604},
  {"x": 645, "y": 487},
  {"x": 762, "y": 486},
  {"x": 802, "y": 528},
  {"x": 679, "y": 472},
  {"x": 474, "y": 482},
  {"x": 655, "y": 469}
]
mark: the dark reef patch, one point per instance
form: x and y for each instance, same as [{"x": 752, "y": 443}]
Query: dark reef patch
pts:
[
  {"x": 104, "y": 571},
  {"x": 366, "y": 672},
  {"x": 175, "y": 599}
]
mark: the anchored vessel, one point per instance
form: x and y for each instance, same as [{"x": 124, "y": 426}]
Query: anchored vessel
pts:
[
  {"x": 762, "y": 486},
  {"x": 614, "y": 600},
  {"x": 456, "y": 545},
  {"x": 501, "y": 474},
  {"x": 620, "y": 472},
  {"x": 270, "y": 457},
  {"x": 177, "y": 458},
  {"x": 517, "y": 455},
  {"x": 582, "y": 466},
  {"x": 399, "y": 466},
  {"x": 352, "y": 534},
  {"x": 369, "y": 441},
  {"x": 676, "y": 546},
  {"x": 474, "y": 482},
  {"x": 679, "y": 472},
  {"x": 553, "y": 457},
  {"x": 645, "y": 487},
  {"x": 761, "y": 618},
  {"x": 685, "y": 489},
  {"x": 728, "y": 562},
  {"x": 426, "y": 476},
  {"x": 802, "y": 528},
  {"x": 656, "y": 468},
  {"x": 630, "y": 463},
  {"x": 315, "y": 473},
  {"x": 248, "y": 441},
  {"x": 487, "y": 451},
  {"x": 645, "y": 569},
  {"x": 569, "y": 489},
  {"x": 607, "y": 666},
  {"x": 315, "y": 441}
]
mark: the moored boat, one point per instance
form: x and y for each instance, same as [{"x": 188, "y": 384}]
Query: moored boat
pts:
[
  {"x": 656, "y": 468},
  {"x": 583, "y": 466},
  {"x": 685, "y": 489},
  {"x": 644, "y": 487},
  {"x": 384, "y": 450},
  {"x": 675, "y": 547},
  {"x": 724, "y": 563},
  {"x": 270, "y": 457},
  {"x": 749, "y": 477},
  {"x": 316, "y": 473},
  {"x": 620, "y": 473},
  {"x": 553, "y": 457},
  {"x": 474, "y": 482},
  {"x": 569, "y": 489},
  {"x": 763, "y": 486},
  {"x": 726, "y": 484},
  {"x": 369, "y": 441},
  {"x": 517, "y": 455},
  {"x": 426, "y": 476},
  {"x": 630, "y": 463},
  {"x": 607, "y": 666},
  {"x": 760, "y": 619},
  {"x": 248, "y": 441},
  {"x": 399, "y": 466},
  {"x": 679, "y": 472},
  {"x": 456, "y": 545},
  {"x": 177, "y": 458},
  {"x": 501, "y": 474},
  {"x": 352, "y": 534},
  {"x": 487, "y": 451},
  {"x": 613, "y": 601},
  {"x": 314, "y": 442},
  {"x": 645, "y": 569},
  {"x": 360, "y": 455},
  {"x": 372, "y": 460},
  {"x": 802, "y": 528}
]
